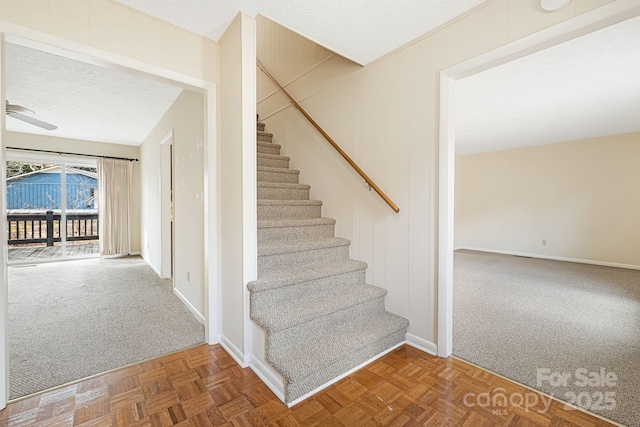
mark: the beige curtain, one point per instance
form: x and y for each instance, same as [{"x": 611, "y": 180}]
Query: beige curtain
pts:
[{"x": 114, "y": 184}]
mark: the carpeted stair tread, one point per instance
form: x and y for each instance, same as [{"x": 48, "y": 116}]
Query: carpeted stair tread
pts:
[
  {"x": 272, "y": 160},
  {"x": 287, "y": 247},
  {"x": 273, "y": 156},
  {"x": 290, "y": 208},
  {"x": 295, "y": 362},
  {"x": 283, "y": 313},
  {"x": 289, "y": 185},
  {"x": 281, "y": 223},
  {"x": 269, "y": 190},
  {"x": 268, "y": 202},
  {"x": 265, "y": 136},
  {"x": 354, "y": 359},
  {"x": 278, "y": 170},
  {"x": 280, "y": 279},
  {"x": 268, "y": 145}
]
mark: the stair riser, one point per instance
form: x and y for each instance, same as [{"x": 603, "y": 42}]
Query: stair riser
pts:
[
  {"x": 305, "y": 334},
  {"x": 273, "y": 234},
  {"x": 300, "y": 388},
  {"x": 265, "y": 138},
  {"x": 328, "y": 288},
  {"x": 300, "y": 259},
  {"x": 264, "y": 149},
  {"x": 288, "y": 212},
  {"x": 271, "y": 193},
  {"x": 273, "y": 163},
  {"x": 290, "y": 178},
  {"x": 261, "y": 127}
]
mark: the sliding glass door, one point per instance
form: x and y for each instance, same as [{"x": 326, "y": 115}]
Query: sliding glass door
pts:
[{"x": 52, "y": 210}]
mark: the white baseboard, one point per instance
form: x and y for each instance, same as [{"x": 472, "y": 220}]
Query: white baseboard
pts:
[
  {"x": 191, "y": 308},
  {"x": 552, "y": 257},
  {"x": 325, "y": 385},
  {"x": 234, "y": 351},
  {"x": 151, "y": 266},
  {"x": 269, "y": 376},
  {"x": 155, "y": 270},
  {"x": 421, "y": 344}
]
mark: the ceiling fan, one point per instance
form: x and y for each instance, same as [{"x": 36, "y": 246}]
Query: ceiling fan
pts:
[{"x": 18, "y": 112}]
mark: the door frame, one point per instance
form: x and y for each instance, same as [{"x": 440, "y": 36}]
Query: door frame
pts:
[
  {"x": 4, "y": 306},
  {"x": 609, "y": 14},
  {"x": 112, "y": 61},
  {"x": 166, "y": 205}
]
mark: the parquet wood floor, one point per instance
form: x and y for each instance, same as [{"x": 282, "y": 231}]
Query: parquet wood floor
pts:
[{"x": 204, "y": 387}]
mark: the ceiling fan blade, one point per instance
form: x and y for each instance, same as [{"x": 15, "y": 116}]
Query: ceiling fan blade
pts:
[
  {"x": 31, "y": 120},
  {"x": 17, "y": 108}
]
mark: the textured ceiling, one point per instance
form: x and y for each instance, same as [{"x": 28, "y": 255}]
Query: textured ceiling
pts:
[
  {"x": 85, "y": 101},
  {"x": 587, "y": 87},
  {"x": 361, "y": 30}
]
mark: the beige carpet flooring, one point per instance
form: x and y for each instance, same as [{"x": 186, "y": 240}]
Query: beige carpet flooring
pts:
[
  {"x": 515, "y": 315},
  {"x": 74, "y": 319}
]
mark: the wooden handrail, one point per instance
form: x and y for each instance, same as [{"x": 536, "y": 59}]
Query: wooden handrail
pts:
[{"x": 353, "y": 164}]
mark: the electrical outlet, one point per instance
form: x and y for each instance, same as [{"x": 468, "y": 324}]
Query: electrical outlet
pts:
[
  {"x": 544, "y": 242},
  {"x": 188, "y": 276}
]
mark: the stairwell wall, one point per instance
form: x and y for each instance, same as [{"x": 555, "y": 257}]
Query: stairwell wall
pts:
[
  {"x": 386, "y": 117},
  {"x": 300, "y": 66},
  {"x": 579, "y": 196}
]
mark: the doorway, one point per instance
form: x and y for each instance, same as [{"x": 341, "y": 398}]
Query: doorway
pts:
[
  {"x": 587, "y": 23},
  {"x": 167, "y": 183},
  {"x": 528, "y": 271},
  {"x": 208, "y": 140}
]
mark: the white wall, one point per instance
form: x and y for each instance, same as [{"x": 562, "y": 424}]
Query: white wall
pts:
[
  {"x": 43, "y": 142},
  {"x": 582, "y": 197},
  {"x": 386, "y": 117},
  {"x": 237, "y": 182},
  {"x": 185, "y": 118}
]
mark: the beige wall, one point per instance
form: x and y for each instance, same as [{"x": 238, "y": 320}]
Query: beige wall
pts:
[
  {"x": 386, "y": 117},
  {"x": 185, "y": 118},
  {"x": 116, "y": 29},
  {"x": 582, "y": 197},
  {"x": 43, "y": 142},
  {"x": 301, "y": 66},
  {"x": 237, "y": 181}
]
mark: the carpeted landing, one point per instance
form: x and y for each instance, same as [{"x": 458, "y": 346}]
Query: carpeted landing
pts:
[
  {"x": 515, "y": 315},
  {"x": 74, "y": 319}
]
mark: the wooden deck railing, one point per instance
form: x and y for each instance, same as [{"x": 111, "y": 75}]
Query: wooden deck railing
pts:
[
  {"x": 372, "y": 185},
  {"x": 45, "y": 227}
]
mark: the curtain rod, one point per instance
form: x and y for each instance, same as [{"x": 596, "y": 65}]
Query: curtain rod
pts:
[{"x": 72, "y": 154}]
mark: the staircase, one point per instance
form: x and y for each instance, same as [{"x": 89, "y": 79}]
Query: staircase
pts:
[{"x": 320, "y": 317}]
